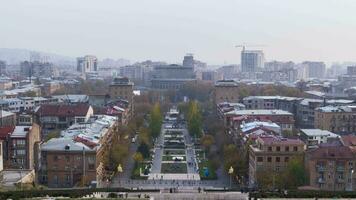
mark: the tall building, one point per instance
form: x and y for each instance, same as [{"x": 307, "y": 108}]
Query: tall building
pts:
[
  {"x": 188, "y": 60},
  {"x": 251, "y": 61},
  {"x": 87, "y": 64},
  {"x": 314, "y": 69},
  {"x": 351, "y": 70},
  {"x": 38, "y": 69},
  {"x": 171, "y": 77},
  {"x": 2, "y": 67}
]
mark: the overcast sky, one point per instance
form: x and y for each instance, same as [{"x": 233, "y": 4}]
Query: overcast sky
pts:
[{"x": 167, "y": 29}]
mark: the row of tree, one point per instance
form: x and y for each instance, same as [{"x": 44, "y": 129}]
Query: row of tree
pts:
[{"x": 194, "y": 119}]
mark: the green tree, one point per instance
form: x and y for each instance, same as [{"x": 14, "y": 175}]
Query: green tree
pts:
[
  {"x": 194, "y": 119},
  {"x": 155, "y": 122},
  {"x": 138, "y": 157},
  {"x": 207, "y": 141},
  {"x": 144, "y": 136},
  {"x": 144, "y": 149},
  {"x": 295, "y": 174},
  {"x": 53, "y": 134}
]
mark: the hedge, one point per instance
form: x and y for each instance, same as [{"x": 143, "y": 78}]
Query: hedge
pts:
[
  {"x": 72, "y": 193},
  {"x": 303, "y": 194}
]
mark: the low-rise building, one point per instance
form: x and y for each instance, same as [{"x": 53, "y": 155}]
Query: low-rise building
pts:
[
  {"x": 305, "y": 114},
  {"x": 271, "y": 154},
  {"x": 226, "y": 91},
  {"x": 7, "y": 118},
  {"x": 313, "y": 137},
  {"x": 80, "y": 155},
  {"x": 235, "y": 118},
  {"x": 65, "y": 163},
  {"x": 330, "y": 167},
  {"x": 61, "y": 116},
  {"x": 19, "y": 146},
  {"x": 337, "y": 119}
]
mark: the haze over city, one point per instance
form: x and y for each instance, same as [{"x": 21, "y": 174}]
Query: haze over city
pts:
[
  {"x": 177, "y": 99},
  {"x": 321, "y": 30}
]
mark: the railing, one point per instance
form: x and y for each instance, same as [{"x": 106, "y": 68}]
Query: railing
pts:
[
  {"x": 320, "y": 168},
  {"x": 340, "y": 168}
]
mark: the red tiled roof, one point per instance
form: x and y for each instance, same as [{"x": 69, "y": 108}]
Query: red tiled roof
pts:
[
  {"x": 63, "y": 110},
  {"x": 5, "y": 131},
  {"x": 336, "y": 152},
  {"x": 269, "y": 140},
  {"x": 349, "y": 140},
  {"x": 86, "y": 142}
]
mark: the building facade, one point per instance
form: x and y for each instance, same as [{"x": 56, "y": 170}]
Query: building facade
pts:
[
  {"x": 251, "y": 61},
  {"x": 87, "y": 63},
  {"x": 337, "y": 119},
  {"x": 226, "y": 91},
  {"x": 271, "y": 154},
  {"x": 66, "y": 163}
]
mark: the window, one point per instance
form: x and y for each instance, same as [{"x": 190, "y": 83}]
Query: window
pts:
[
  {"x": 278, "y": 159},
  {"x": 67, "y": 158},
  {"x": 278, "y": 148},
  {"x": 20, "y": 142},
  {"x": 259, "y": 159},
  {"x": 68, "y": 178},
  {"x": 269, "y": 148},
  {"x": 55, "y": 158},
  {"x": 287, "y": 148},
  {"x": 269, "y": 159},
  {"x": 91, "y": 166},
  {"x": 295, "y": 148},
  {"x": 286, "y": 159},
  {"x": 21, "y": 152}
]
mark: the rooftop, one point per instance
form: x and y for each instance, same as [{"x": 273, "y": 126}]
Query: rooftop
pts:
[
  {"x": 330, "y": 109},
  {"x": 6, "y": 131},
  {"x": 271, "y": 140},
  {"x": 63, "y": 110},
  {"x": 4, "y": 113},
  {"x": 63, "y": 144},
  {"x": 20, "y": 131},
  {"x": 331, "y": 152},
  {"x": 258, "y": 112},
  {"x": 318, "y": 132},
  {"x": 251, "y": 125},
  {"x": 226, "y": 83},
  {"x": 271, "y": 98},
  {"x": 90, "y": 132}
]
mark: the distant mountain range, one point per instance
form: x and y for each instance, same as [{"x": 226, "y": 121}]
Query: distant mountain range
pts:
[{"x": 15, "y": 56}]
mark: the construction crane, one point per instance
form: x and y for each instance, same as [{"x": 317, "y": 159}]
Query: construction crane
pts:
[{"x": 249, "y": 45}]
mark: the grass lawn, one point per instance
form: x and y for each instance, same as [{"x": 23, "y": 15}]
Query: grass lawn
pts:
[
  {"x": 174, "y": 145},
  {"x": 212, "y": 173},
  {"x": 170, "y": 158},
  {"x": 136, "y": 171},
  {"x": 174, "y": 168},
  {"x": 174, "y": 152}
]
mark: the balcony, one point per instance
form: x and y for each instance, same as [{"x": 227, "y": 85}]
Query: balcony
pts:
[
  {"x": 321, "y": 180},
  {"x": 340, "y": 168},
  {"x": 341, "y": 180},
  {"x": 320, "y": 168}
]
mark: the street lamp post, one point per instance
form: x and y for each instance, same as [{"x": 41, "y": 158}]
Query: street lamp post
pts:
[
  {"x": 231, "y": 171},
  {"x": 351, "y": 173},
  {"x": 119, "y": 170}
]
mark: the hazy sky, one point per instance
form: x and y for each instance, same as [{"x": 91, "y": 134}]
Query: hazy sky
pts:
[{"x": 167, "y": 29}]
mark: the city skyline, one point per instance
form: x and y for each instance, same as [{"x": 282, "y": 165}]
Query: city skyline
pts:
[{"x": 165, "y": 31}]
